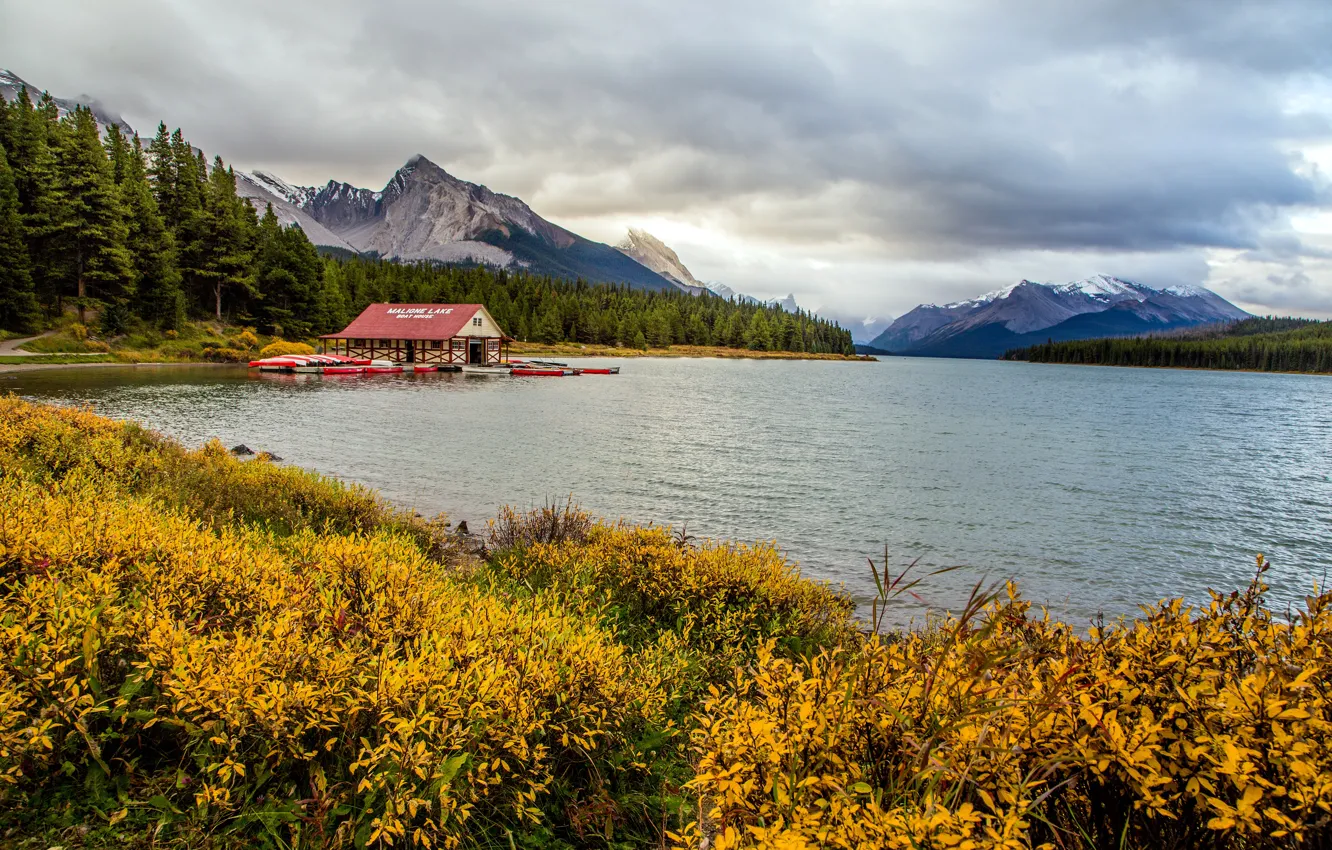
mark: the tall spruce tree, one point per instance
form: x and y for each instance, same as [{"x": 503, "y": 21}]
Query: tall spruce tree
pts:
[
  {"x": 229, "y": 226},
  {"x": 31, "y": 134},
  {"x": 90, "y": 230},
  {"x": 162, "y": 176},
  {"x": 18, "y": 304},
  {"x": 287, "y": 278},
  {"x": 159, "y": 299}
]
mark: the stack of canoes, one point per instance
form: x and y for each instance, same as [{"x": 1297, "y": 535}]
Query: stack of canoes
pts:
[
  {"x": 334, "y": 364},
  {"x": 324, "y": 364}
]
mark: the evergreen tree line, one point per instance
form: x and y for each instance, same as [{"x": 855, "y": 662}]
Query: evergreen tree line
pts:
[
  {"x": 1263, "y": 344},
  {"x": 158, "y": 235}
]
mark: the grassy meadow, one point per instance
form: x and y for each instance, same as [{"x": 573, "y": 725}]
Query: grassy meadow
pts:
[{"x": 203, "y": 652}]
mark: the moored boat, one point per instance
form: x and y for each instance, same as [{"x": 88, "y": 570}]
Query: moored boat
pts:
[{"x": 540, "y": 372}]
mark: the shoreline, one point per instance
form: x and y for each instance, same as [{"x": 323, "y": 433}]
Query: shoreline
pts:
[
  {"x": 1171, "y": 368},
  {"x": 532, "y": 349},
  {"x": 104, "y": 364}
]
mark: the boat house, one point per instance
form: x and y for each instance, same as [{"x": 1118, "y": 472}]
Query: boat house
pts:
[{"x": 442, "y": 334}]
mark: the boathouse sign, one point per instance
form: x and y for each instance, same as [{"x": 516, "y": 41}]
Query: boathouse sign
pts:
[{"x": 418, "y": 312}]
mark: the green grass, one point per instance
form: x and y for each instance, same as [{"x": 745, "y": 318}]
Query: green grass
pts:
[{"x": 19, "y": 360}]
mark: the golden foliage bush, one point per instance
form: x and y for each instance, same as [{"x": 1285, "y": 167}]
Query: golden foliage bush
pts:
[
  {"x": 246, "y": 340},
  {"x": 723, "y": 598},
  {"x": 50, "y": 443},
  {"x": 225, "y": 355},
  {"x": 281, "y": 347},
  {"x": 1182, "y": 729},
  {"x": 263, "y": 685}
]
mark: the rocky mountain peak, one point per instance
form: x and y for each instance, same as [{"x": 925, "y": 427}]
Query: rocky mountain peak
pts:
[{"x": 656, "y": 255}]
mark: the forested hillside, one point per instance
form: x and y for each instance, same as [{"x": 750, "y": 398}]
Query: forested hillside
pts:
[
  {"x": 1259, "y": 344},
  {"x": 155, "y": 236}
]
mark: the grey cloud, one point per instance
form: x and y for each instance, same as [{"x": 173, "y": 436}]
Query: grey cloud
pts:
[{"x": 912, "y": 132}]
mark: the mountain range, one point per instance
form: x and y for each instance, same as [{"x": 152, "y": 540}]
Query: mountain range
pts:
[{"x": 1028, "y": 313}]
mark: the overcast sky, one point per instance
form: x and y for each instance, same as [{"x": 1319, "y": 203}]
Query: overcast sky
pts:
[{"x": 866, "y": 156}]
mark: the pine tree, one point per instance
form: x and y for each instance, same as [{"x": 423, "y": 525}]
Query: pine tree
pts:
[
  {"x": 549, "y": 328},
  {"x": 90, "y": 228},
  {"x": 18, "y": 304},
  {"x": 32, "y": 159},
  {"x": 225, "y": 254},
  {"x": 332, "y": 310},
  {"x": 759, "y": 336},
  {"x": 162, "y": 176},
  {"x": 287, "y": 278},
  {"x": 152, "y": 248}
]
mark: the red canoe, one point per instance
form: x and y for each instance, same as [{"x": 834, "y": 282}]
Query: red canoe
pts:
[{"x": 538, "y": 373}]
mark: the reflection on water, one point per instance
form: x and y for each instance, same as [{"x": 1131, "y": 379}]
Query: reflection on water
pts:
[{"x": 1097, "y": 488}]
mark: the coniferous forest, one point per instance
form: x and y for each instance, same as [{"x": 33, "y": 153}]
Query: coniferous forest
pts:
[
  {"x": 155, "y": 236},
  {"x": 1263, "y": 344}
]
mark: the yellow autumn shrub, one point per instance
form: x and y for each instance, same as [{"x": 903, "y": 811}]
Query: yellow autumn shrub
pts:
[
  {"x": 1186, "y": 728},
  {"x": 282, "y": 347},
  {"x": 49, "y": 443},
  {"x": 346, "y": 671}
]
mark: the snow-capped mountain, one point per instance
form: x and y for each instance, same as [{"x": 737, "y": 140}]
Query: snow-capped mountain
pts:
[
  {"x": 265, "y": 191},
  {"x": 11, "y": 84},
  {"x": 1028, "y": 312}
]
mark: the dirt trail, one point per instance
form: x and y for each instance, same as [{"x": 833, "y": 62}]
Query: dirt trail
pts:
[{"x": 10, "y": 348}]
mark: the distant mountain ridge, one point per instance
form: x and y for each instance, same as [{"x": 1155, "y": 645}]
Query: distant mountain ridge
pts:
[
  {"x": 426, "y": 213},
  {"x": 1027, "y": 313}
]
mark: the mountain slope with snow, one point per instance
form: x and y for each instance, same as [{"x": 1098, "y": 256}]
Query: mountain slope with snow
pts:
[
  {"x": 1026, "y": 311},
  {"x": 12, "y": 84},
  {"x": 260, "y": 194}
]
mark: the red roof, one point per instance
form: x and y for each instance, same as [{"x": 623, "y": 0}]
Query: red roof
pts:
[{"x": 409, "y": 321}]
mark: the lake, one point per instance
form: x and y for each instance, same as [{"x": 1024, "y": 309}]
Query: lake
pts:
[{"x": 1097, "y": 489}]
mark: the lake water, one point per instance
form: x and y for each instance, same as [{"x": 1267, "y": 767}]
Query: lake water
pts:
[{"x": 1096, "y": 488}]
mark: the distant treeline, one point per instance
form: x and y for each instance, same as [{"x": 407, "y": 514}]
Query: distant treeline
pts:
[
  {"x": 156, "y": 236},
  {"x": 1266, "y": 344}
]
